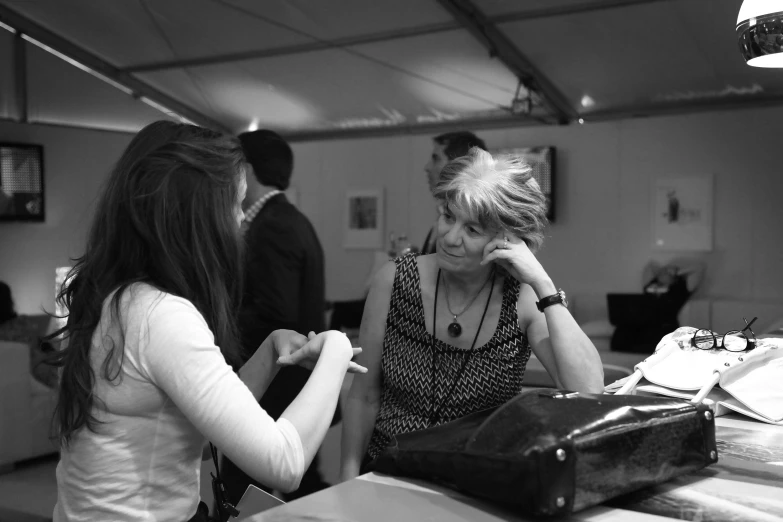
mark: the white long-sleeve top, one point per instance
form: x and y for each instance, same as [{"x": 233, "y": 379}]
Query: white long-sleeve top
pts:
[{"x": 174, "y": 389}]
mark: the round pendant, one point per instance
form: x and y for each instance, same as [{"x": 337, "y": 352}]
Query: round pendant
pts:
[{"x": 455, "y": 329}]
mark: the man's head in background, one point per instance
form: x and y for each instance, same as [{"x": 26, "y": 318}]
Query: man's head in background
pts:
[
  {"x": 447, "y": 147},
  {"x": 271, "y": 158}
]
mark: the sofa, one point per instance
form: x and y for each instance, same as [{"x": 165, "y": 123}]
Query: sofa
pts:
[{"x": 27, "y": 396}]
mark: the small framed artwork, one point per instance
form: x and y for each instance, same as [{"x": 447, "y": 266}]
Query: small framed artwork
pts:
[
  {"x": 21, "y": 182},
  {"x": 682, "y": 210},
  {"x": 363, "y": 227}
]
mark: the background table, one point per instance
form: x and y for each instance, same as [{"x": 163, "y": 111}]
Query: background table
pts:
[{"x": 746, "y": 484}]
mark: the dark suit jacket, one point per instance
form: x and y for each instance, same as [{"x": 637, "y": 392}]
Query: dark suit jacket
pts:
[{"x": 283, "y": 288}]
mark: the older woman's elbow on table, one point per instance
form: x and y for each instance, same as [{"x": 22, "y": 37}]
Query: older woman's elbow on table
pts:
[{"x": 582, "y": 370}]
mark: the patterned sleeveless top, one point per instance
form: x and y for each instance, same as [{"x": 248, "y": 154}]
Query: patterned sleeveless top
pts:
[{"x": 417, "y": 381}]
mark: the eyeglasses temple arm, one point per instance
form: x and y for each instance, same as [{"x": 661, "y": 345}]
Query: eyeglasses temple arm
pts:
[{"x": 748, "y": 324}]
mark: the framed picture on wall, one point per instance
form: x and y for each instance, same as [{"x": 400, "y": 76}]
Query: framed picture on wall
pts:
[
  {"x": 363, "y": 222},
  {"x": 21, "y": 182},
  {"x": 682, "y": 213}
]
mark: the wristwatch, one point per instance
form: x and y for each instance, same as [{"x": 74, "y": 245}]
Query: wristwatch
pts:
[{"x": 558, "y": 298}]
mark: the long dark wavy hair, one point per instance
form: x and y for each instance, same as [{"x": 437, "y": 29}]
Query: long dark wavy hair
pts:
[{"x": 166, "y": 217}]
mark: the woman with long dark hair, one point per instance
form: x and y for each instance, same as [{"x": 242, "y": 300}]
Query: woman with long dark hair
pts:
[{"x": 151, "y": 336}]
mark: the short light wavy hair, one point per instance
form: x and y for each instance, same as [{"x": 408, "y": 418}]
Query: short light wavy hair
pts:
[{"x": 499, "y": 192}]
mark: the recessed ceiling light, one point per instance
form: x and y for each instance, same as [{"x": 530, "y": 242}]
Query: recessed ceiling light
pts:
[{"x": 587, "y": 101}]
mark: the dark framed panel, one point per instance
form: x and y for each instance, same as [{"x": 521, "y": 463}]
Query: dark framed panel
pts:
[
  {"x": 21, "y": 182},
  {"x": 542, "y": 161}
]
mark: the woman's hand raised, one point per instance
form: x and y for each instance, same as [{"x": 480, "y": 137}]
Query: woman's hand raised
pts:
[
  {"x": 513, "y": 254},
  {"x": 305, "y": 351}
]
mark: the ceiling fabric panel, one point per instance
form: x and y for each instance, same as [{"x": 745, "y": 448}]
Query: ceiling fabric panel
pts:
[
  {"x": 343, "y": 18},
  {"x": 8, "y": 107},
  {"x": 137, "y": 32},
  {"x": 717, "y": 46},
  {"x": 386, "y": 84},
  {"x": 60, "y": 93},
  {"x": 125, "y": 33},
  {"x": 641, "y": 56},
  {"x": 502, "y": 7}
]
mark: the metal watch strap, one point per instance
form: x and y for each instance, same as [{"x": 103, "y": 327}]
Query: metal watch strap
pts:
[{"x": 556, "y": 298}]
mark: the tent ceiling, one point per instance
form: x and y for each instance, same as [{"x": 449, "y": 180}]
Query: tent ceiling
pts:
[
  {"x": 346, "y": 67},
  {"x": 643, "y": 56}
]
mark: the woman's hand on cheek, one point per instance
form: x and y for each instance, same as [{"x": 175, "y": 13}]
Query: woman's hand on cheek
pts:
[{"x": 513, "y": 254}]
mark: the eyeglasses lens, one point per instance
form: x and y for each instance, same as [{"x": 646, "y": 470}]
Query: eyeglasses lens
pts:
[
  {"x": 704, "y": 339},
  {"x": 735, "y": 341}
]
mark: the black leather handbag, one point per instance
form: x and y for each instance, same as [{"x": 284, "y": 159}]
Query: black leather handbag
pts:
[{"x": 553, "y": 452}]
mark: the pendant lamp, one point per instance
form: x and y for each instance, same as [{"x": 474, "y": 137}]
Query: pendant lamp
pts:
[{"x": 760, "y": 32}]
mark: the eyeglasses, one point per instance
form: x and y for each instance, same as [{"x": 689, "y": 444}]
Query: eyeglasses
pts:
[{"x": 733, "y": 341}]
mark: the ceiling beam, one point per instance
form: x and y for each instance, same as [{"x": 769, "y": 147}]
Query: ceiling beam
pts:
[
  {"x": 684, "y": 107},
  {"x": 386, "y": 36},
  {"x": 501, "y": 47},
  {"x": 474, "y": 124},
  {"x": 621, "y": 113},
  {"x": 73, "y": 126},
  {"x": 32, "y": 29}
]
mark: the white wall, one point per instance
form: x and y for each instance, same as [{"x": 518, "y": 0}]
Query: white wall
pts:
[
  {"x": 600, "y": 242},
  {"x": 75, "y": 164},
  {"x": 603, "y": 236}
]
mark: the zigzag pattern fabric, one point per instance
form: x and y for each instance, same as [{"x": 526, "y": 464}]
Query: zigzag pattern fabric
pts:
[{"x": 415, "y": 385}]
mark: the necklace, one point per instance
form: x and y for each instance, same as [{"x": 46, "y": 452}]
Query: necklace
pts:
[
  {"x": 256, "y": 207},
  {"x": 435, "y": 413},
  {"x": 455, "y": 329}
]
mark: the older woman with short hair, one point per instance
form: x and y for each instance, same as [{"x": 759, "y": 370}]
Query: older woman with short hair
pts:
[{"x": 448, "y": 334}]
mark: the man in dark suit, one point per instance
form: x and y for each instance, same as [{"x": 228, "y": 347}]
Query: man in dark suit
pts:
[
  {"x": 445, "y": 148},
  {"x": 284, "y": 282}
]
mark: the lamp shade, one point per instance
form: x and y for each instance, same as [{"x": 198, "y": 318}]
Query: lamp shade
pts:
[{"x": 760, "y": 32}]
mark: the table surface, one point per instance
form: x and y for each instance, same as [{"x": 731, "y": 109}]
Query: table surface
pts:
[{"x": 745, "y": 484}]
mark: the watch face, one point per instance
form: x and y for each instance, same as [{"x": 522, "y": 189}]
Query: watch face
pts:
[{"x": 563, "y": 297}]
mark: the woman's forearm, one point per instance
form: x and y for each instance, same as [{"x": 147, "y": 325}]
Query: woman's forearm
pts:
[
  {"x": 257, "y": 373},
  {"x": 579, "y": 366},
  {"x": 578, "y": 363},
  {"x": 358, "y": 423},
  {"x": 312, "y": 411}
]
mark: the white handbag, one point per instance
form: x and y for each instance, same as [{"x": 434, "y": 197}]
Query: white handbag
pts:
[{"x": 748, "y": 382}]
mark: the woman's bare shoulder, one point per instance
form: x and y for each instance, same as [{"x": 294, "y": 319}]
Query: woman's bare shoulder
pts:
[
  {"x": 428, "y": 268},
  {"x": 383, "y": 280}
]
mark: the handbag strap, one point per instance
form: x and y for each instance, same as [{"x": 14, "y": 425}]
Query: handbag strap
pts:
[{"x": 225, "y": 509}]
